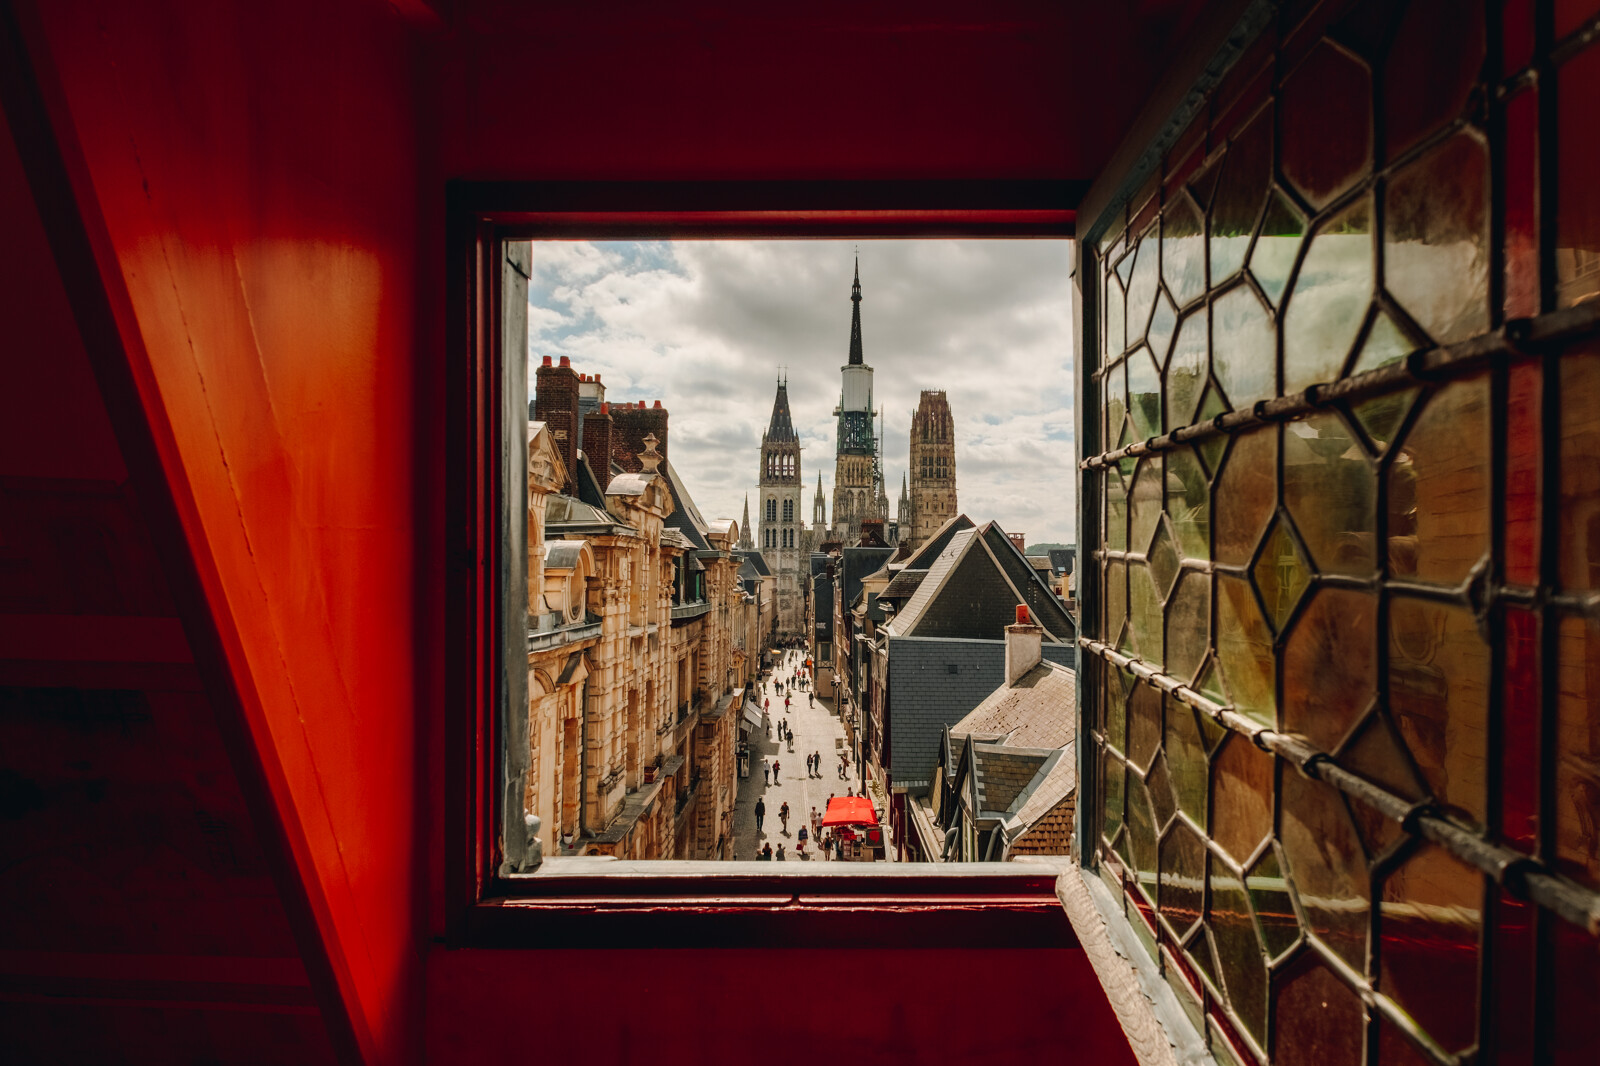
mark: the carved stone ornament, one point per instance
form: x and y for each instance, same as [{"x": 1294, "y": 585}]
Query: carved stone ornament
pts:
[{"x": 650, "y": 459}]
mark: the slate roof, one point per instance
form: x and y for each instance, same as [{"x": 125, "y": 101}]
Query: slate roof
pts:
[
  {"x": 1003, "y": 773},
  {"x": 1039, "y": 711},
  {"x": 568, "y": 514},
  {"x": 903, "y": 584},
  {"x": 925, "y": 696},
  {"x": 590, "y": 491},
  {"x": 685, "y": 516},
  {"x": 782, "y": 426},
  {"x": 758, "y": 562},
  {"x": 936, "y": 544},
  {"x": 1061, "y": 560},
  {"x": 972, "y": 590},
  {"x": 858, "y": 563}
]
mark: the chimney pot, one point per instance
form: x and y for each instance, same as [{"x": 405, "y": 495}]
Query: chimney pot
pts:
[
  {"x": 605, "y": 408},
  {"x": 658, "y": 405},
  {"x": 566, "y": 361},
  {"x": 546, "y": 361},
  {"x": 597, "y": 379},
  {"x": 1022, "y": 614}
]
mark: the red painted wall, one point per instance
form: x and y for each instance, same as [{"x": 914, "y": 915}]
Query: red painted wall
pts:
[{"x": 270, "y": 179}]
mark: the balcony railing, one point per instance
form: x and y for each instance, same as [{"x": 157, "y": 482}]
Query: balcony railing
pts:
[{"x": 694, "y": 609}]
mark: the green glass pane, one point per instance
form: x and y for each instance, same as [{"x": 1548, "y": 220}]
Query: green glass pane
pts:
[
  {"x": 1247, "y": 492},
  {"x": 1116, "y": 386},
  {"x": 1142, "y": 289},
  {"x": 1144, "y": 613},
  {"x": 1116, "y": 600},
  {"x": 1141, "y": 838},
  {"x": 1432, "y": 910},
  {"x": 1436, "y": 238},
  {"x": 1162, "y": 323},
  {"x": 1281, "y": 573},
  {"x": 1144, "y": 723},
  {"x": 1163, "y": 559},
  {"x": 1188, "y": 625},
  {"x": 1330, "y": 665},
  {"x": 1116, "y": 318},
  {"x": 1203, "y": 959},
  {"x": 1113, "y": 775},
  {"x": 1269, "y": 891},
  {"x": 1241, "y": 794},
  {"x": 1331, "y": 489},
  {"x": 1126, "y": 438},
  {"x": 1246, "y": 171},
  {"x": 1145, "y": 503},
  {"x": 1244, "y": 650},
  {"x": 1210, "y": 684},
  {"x": 1212, "y": 447},
  {"x": 1183, "y": 251},
  {"x": 1439, "y": 697},
  {"x": 1188, "y": 503},
  {"x": 1116, "y": 510},
  {"x": 1144, "y": 394},
  {"x": 1330, "y": 299},
  {"x": 1382, "y": 416},
  {"x": 1186, "y": 371},
  {"x": 1117, "y": 708},
  {"x": 1384, "y": 345},
  {"x": 1186, "y": 760},
  {"x": 1272, "y": 259},
  {"x": 1244, "y": 968},
  {"x": 1439, "y": 487},
  {"x": 1328, "y": 866},
  {"x": 1244, "y": 350},
  {"x": 1187, "y": 995},
  {"x": 1183, "y": 878},
  {"x": 1159, "y": 783}
]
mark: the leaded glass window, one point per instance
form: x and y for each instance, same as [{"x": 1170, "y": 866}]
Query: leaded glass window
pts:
[{"x": 1341, "y": 637}]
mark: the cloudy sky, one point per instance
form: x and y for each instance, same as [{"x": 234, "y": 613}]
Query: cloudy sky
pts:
[{"x": 704, "y": 326}]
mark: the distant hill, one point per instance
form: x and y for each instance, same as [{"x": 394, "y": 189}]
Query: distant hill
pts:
[{"x": 1043, "y": 547}]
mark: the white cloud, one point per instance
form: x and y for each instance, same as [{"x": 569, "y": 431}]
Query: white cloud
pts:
[{"x": 704, "y": 326}]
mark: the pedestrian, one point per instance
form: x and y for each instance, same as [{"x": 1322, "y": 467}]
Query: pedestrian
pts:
[
  {"x": 761, "y": 814},
  {"x": 766, "y": 772},
  {"x": 774, "y": 771},
  {"x": 850, "y": 792},
  {"x": 817, "y": 755},
  {"x": 769, "y": 729},
  {"x": 765, "y": 855},
  {"x": 811, "y": 701},
  {"x": 766, "y": 705},
  {"x": 803, "y": 837},
  {"x": 781, "y": 856},
  {"x": 816, "y": 824},
  {"x": 783, "y": 816}
]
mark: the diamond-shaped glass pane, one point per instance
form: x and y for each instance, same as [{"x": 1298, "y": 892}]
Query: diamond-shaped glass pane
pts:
[
  {"x": 1281, "y": 573},
  {"x": 1246, "y": 172},
  {"x": 1188, "y": 502},
  {"x": 1244, "y": 650},
  {"x": 1145, "y": 502},
  {"x": 1114, "y": 774},
  {"x": 1162, "y": 324},
  {"x": 1330, "y": 665},
  {"x": 1116, "y": 510},
  {"x": 1144, "y": 613},
  {"x": 1144, "y": 394},
  {"x": 1384, "y": 345},
  {"x": 1116, "y": 318},
  {"x": 1328, "y": 864},
  {"x": 1186, "y": 760},
  {"x": 1186, "y": 370},
  {"x": 1241, "y": 797},
  {"x": 1330, "y": 298},
  {"x": 1244, "y": 348},
  {"x": 1331, "y": 489},
  {"x": 1213, "y": 446},
  {"x": 1116, "y": 386},
  {"x": 1244, "y": 969},
  {"x": 1163, "y": 559},
  {"x": 1183, "y": 874},
  {"x": 1439, "y": 696},
  {"x": 1183, "y": 251},
  {"x": 1142, "y": 288},
  {"x": 1247, "y": 492},
  {"x": 1162, "y": 801},
  {"x": 1269, "y": 891},
  {"x": 1439, "y": 487},
  {"x": 1188, "y": 625},
  {"x": 1273, "y": 256}
]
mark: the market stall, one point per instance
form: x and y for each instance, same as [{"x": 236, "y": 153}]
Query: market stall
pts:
[{"x": 853, "y": 822}]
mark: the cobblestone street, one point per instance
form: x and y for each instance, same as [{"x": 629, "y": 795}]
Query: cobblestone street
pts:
[{"x": 816, "y": 729}]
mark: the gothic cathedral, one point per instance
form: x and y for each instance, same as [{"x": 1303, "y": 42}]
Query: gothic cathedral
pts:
[
  {"x": 782, "y": 532},
  {"x": 858, "y": 470},
  {"x": 933, "y": 468}
]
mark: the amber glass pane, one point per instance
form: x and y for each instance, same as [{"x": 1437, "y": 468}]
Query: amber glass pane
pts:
[
  {"x": 1162, "y": 325},
  {"x": 1433, "y": 64},
  {"x": 1524, "y": 383},
  {"x": 1246, "y": 171},
  {"x": 1269, "y": 892},
  {"x": 1578, "y": 180},
  {"x": 1144, "y": 723},
  {"x": 1439, "y": 696},
  {"x": 1519, "y": 753},
  {"x": 1281, "y": 573},
  {"x": 1580, "y": 474},
  {"x": 1183, "y": 878},
  {"x": 1327, "y": 124},
  {"x": 1186, "y": 760},
  {"x": 1189, "y": 626},
  {"x": 1116, "y": 600},
  {"x": 1116, "y": 510},
  {"x": 1142, "y": 288},
  {"x": 1244, "y": 650},
  {"x": 1144, "y": 614},
  {"x": 1439, "y": 487},
  {"x": 1144, "y": 394},
  {"x": 1186, "y": 371},
  {"x": 1183, "y": 250},
  {"x": 1145, "y": 503},
  {"x": 1246, "y": 495},
  {"x": 1522, "y": 219},
  {"x": 1330, "y": 299},
  {"x": 1188, "y": 495},
  {"x": 1331, "y": 489},
  {"x": 1319, "y": 1019},
  {"x": 1141, "y": 837},
  {"x": 1273, "y": 256},
  {"x": 1114, "y": 773},
  {"x": 1244, "y": 970},
  {"x": 1116, "y": 710},
  {"x": 1377, "y": 754},
  {"x": 1327, "y": 865},
  {"x": 1330, "y": 666},
  {"x": 1429, "y": 921},
  {"x": 1244, "y": 346},
  {"x": 1159, "y": 784},
  {"x": 1116, "y": 318},
  {"x": 1436, "y": 239},
  {"x": 1577, "y": 814},
  {"x": 1241, "y": 809}
]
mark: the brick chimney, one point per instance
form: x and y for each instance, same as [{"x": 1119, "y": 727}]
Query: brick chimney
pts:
[
  {"x": 599, "y": 429},
  {"x": 630, "y": 426},
  {"x": 872, "y": 534},
  {"x": 555, "y": 403},
  {"x": 1019, "y": 540},
  {"x": 1024, "y": 646}
]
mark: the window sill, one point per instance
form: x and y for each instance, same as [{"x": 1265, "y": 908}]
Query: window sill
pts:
[{"x": 597, "y": 902}]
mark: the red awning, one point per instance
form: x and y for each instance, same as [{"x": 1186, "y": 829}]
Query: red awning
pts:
[{"x": 850, "y": 810}]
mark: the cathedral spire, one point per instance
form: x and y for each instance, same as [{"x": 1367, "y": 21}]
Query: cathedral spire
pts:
[
  {"x": 782, "y": 425},
  {"x": 856, "y": 358},
  {"x": 745, "y": 541}
]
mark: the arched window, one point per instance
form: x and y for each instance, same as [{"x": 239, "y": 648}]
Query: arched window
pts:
[
  {"x": 772, "y": 510},
  {"x": 788, "y": 510}
]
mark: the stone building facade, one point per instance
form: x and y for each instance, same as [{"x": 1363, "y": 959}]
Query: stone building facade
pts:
[
  {"x": 933, "y": 468},
  {"x": 857, "y": 472},
  {"x": 782, "y": 537}
]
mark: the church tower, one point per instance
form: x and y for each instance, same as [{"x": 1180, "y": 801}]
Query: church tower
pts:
[
  {"x": 855, "y": 473},
  {"x": 780, "y": 512},
  {"x": 933, "y": 467},
  {"x": 819, "y": 510},
  {"x": 745, "y": 542}
]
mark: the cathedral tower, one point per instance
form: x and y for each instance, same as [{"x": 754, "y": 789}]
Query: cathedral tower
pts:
[
  {"x": 781, "y": 526},
  {"x": 933, "y": 466},
  {"x": 855, "y": 474}
]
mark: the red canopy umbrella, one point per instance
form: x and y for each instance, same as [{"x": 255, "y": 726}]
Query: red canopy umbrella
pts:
[{"x": 850, "y": 810}]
